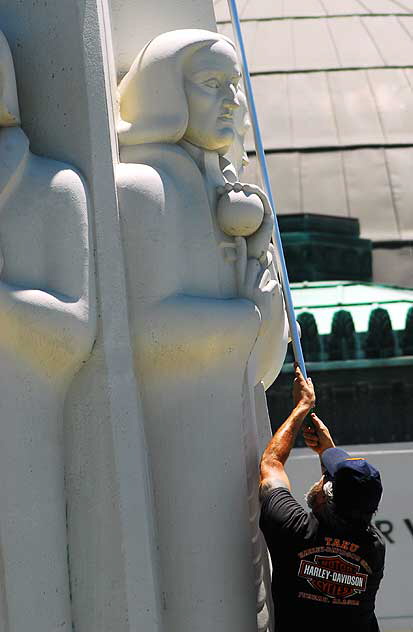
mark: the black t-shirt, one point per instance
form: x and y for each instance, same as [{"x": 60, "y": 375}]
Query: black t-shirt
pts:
[{"x": 324, "y": 572}]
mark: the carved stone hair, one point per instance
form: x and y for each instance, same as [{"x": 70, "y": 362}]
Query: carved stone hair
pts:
[
  {"x": 153, "y": 104},
  {"x": 9, "y": 104}
]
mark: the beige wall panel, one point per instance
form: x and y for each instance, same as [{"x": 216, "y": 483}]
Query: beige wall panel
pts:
[
  {"x": 250, "y": 36},
  {"x": 314, "y": 48},
  {"x": 273, "y": 46},
  {"x": 285, "y": 180},
  {"x": 264, "y": 9},
  {"x": 407, "y": 3},
  {"x": 408, "y": 72},
  {"x": 327, "y": 43},
  {"x": 355, "y": 48},
  {"x": 259, "y": 9},
  {"x": 369, "y": 193},
  {"x": 394, "y": 44},
  {"x": 372, "y": 184},
  {"x": 284, "y": 172},
  {"x": 400, "y": 165},
  {"x": 394, "y": 97},
  {"x": 343, "y": 7},
  {"x": 407, "y": 22},
  {"x": 359, "y": 107},
  {"x": 269, "y": 44},
  {"x": 312, "y": 111},
  {"x": 384, "y": 6},
  {"x": 271, "y": 93},
  {"x": 298, "y": 8},
  {"x": 355, "y": 108},
  {"x": 322, "y": 183},
  {"x": 222, "y": 11},
  {"x": 389, "y": 265}
]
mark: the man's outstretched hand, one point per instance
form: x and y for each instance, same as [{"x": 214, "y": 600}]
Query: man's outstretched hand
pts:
[
  {"x": 303, "y": 391},
  {"x": 318, "y": 437}
]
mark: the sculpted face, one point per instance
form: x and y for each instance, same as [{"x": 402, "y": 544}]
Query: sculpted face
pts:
[{"x": 211, "y": 83}]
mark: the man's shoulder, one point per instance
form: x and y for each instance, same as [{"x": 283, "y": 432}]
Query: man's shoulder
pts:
[{"x": 281, "y": 514}]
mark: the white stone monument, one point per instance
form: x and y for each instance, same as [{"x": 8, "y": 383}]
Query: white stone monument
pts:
[
  {"x": 47, "y": 316},
  {"x": 162, "y": 419},
  {"x": 207, "y": 319}
]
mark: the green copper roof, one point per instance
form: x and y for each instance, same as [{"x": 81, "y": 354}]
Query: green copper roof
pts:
[{"x": 324, "y": 298}]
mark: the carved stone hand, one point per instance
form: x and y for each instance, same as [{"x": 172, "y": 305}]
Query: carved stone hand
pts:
[
  {"x": 255, "y": 281},
  {"x": 240, "y": 214}
]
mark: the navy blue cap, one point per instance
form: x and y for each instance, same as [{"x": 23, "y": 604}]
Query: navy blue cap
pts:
[{"x": 356, "y": 484}]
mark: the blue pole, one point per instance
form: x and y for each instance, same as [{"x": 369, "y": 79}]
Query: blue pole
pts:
[{"x": 282, "y": 268}]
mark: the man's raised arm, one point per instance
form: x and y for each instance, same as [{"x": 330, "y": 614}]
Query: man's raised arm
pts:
[{"x": 272, "y": 472}]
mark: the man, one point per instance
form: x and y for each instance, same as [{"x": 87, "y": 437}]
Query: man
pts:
[{"x": 328, "y": 562}]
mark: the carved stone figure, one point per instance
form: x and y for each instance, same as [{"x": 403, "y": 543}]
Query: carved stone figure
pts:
[
  {"x": 47, "y": 327},
  {"x": 207, "y": 320},
  {"x": 237, "y": 155}
]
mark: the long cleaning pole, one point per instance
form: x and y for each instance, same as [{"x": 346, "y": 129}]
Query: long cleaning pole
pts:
[{"x": 282, "y": 268}]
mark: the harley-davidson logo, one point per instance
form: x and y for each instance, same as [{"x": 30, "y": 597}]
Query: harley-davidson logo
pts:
[{"x": 333, "y": 576}]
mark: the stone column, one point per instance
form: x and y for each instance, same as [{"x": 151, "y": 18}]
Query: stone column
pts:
[{"x": 62, "y": 52}]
